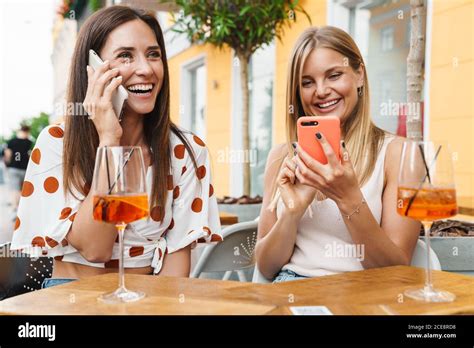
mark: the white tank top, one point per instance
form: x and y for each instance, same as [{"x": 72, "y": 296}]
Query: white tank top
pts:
[{"x": 324, "y": 245}]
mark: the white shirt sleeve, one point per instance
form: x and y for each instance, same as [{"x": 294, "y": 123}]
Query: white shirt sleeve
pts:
[
  {"x": 194, "y": 209},
  {"x": 45, "y": 213}
]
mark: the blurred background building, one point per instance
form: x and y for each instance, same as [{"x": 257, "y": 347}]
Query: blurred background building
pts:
[{"x": 205, "y": 86}]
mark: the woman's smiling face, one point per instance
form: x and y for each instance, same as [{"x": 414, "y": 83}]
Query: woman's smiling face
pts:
[
  {"x": 329, "y": 84},
  {"x": 133, "y": 49}
]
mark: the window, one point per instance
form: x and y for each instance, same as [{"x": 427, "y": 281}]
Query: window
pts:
[
  {"x": 193, "y": 97},
  {"x": 198, "y": 102},
  {"x": 386, "y": 36},
  {"x": 381, "y": 35}
]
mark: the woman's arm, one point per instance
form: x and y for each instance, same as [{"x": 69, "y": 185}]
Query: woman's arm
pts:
[
  {"x": 177, "y": 264},
  {"x": 392, "y": 242},
  {"x": 93, "y": 239},
  {"x": 276, "y": 237},
  {"x": 7, "y": 156}
]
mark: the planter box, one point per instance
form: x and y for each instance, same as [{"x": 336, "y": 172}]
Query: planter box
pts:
[
  {"x": 456, "y": 254},
  {"x": 245, "y": 212}
]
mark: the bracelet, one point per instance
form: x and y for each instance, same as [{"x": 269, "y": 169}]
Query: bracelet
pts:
[{"x": 356, "y": 211}]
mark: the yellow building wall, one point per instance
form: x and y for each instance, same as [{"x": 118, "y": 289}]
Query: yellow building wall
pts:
[
  {"x": 451, "y": 86},
  {"x": 317, "y": 12},
  {"x": 218, "y": 104}
]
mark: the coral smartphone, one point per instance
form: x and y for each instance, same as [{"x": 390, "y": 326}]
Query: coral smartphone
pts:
[
  {"x": 329, "y": 126},
  {"x": 120, "y": 95}
]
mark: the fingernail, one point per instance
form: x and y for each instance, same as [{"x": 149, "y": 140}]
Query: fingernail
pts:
[
  {"x": 343, "y": 144},
  {"x": 106, "y": 62},
  {"x": 294, "y": 153},
  {"x": 318, "y": 135},
  {"x": 115, "y": 69},
  {"x": 119, "y": 77}
]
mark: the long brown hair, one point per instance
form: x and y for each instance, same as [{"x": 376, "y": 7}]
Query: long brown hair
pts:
[
  {"x": 81, "y": 138},
  {"x": 363, "y": 139}
]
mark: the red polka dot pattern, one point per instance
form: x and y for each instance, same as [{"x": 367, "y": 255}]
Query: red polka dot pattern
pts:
[
  {"x": 112, "y": 264},
  {"x": 51, "y": 184},
  {"x": 65, "y": 213},
  {"x": 38, "y": 242},
  {"x": 198, "y": 141},
  {"x": 136, "y": 251},
  {"x": 155, "y": 214},
  {"x": 216, "y": 238},
  {"x": 196, "y": 206},
  {"x": 27, "y": 189},
  {"x": 56, "y": 132},
  {"x": 51, "y": 242},
  {"x": 36, "y": 156},
  {"x": 179, "y": 151},
  {"x": 201, "y": 172}
]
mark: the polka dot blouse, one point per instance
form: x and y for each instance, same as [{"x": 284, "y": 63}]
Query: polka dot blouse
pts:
[{"x": 45, "y": 214}]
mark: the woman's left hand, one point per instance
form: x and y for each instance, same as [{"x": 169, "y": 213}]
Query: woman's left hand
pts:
[{"x": 336, "y": 179}]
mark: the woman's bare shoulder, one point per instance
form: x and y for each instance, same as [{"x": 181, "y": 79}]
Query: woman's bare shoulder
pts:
[{"x": 392, "y": 156}]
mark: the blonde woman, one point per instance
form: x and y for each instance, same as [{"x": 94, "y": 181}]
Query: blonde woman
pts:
[{"x": 325, "y": 219}]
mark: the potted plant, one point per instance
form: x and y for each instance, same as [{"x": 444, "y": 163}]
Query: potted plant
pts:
[
  {"x": 453, "y": 243},
  {"x": 245, "y": 26}
]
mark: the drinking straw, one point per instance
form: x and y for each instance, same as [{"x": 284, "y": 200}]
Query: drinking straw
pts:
[
  {"x": 427, "y": 175},
  {"x": 118, "y": 175},
  {"x": 107, "y": 165},
  {"x": 424, "y": 162},
  {"x": 121, "y": 170}
]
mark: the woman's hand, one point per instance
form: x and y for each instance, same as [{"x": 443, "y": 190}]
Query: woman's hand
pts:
[
  {"x": 296, "y": 196},
  {"x": 336, "y": 179},
  {"x": 98, "y": 103}
]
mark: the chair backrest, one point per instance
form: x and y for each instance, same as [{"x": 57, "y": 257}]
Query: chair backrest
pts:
[
  {"x": 20, "y": 273},
  {"x": 419, "y": 257},
  {"x": 418, "y": 260},
  {"x": 234, "y": 253},
  {"x": 258, "y": 277}
]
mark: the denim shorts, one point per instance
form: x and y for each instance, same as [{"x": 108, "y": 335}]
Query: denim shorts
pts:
[
  {"x": 49, "y": 282},
  {"x": 287, "y": 275}
]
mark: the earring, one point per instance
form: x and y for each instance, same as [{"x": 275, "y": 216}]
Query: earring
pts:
[{"x": 360, "y": 91}]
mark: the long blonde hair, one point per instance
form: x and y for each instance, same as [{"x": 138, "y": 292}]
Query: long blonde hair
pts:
[{"x": 362, "y": 138}]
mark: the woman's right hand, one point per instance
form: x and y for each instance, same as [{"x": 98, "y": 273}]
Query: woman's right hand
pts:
[
  {"x": 296, "y": 196},
  {"x": 98, "y": 103}
]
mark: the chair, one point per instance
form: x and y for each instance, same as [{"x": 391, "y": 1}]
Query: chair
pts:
[
  {"x": 258, "y": 277},
  {"x": 234, "y": 253},
  {"x": 20, "y": 273},
  {"x": 418, "y": 260},
  {"x": 419, "y": 257}
]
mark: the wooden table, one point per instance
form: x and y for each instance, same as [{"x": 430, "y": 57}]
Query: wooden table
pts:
[
  {"x": 466, "y": 205},
  {"x": 227, "y": 218},
  {"x": 375, "y": 291}
]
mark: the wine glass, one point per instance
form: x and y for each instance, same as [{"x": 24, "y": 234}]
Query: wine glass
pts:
[
  {"x": 426, "y": 193},
  {"x": 120, "y": 197}
]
